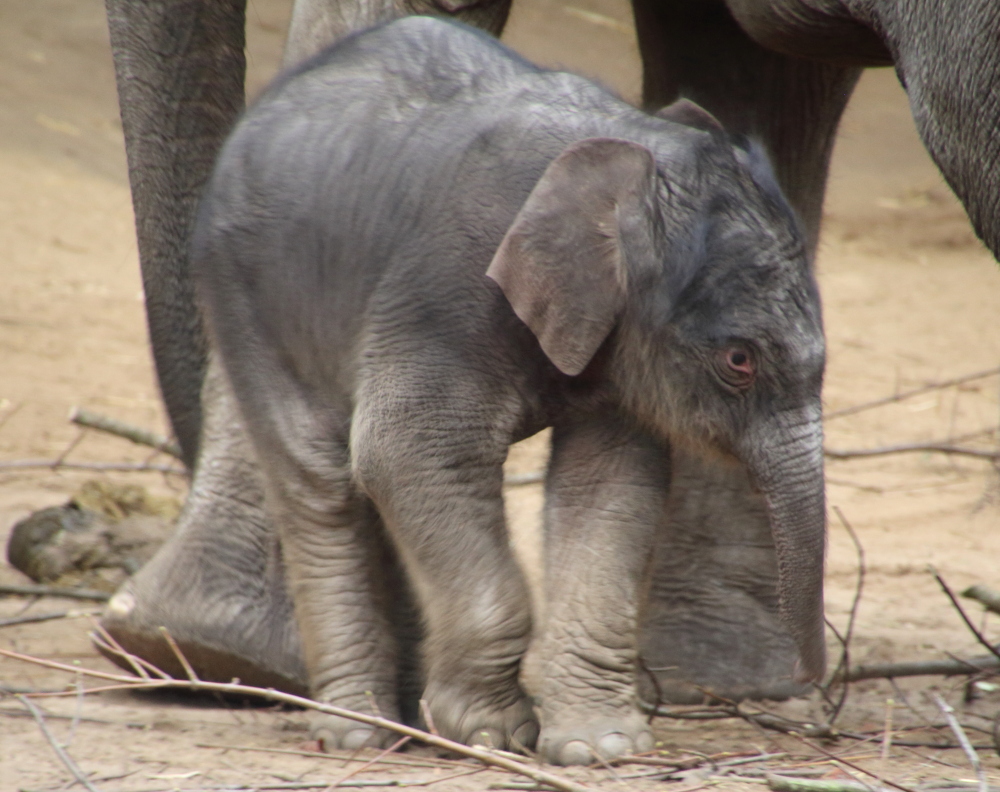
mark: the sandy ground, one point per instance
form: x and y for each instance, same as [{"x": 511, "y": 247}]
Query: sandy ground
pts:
[{"x": 910, "y": 297}]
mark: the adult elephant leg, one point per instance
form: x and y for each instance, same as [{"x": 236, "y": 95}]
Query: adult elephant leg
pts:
[
  {"x": 712, "y": 615},
  {"x": 695, "y": 49},
  {"x": 180, "y": 68},
  {"x": 218, "y": 583}
]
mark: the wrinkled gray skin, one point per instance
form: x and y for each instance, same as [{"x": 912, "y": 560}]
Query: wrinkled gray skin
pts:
[
  {"x": 779, "y": 71},
  {"x": 418, "y": 249}
]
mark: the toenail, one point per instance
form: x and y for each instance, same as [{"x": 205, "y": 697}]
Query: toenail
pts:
[
  {"x": 121, "y": 604},
  {"x": 575, "y": 752},
  {"x": 613, "y": 745}
]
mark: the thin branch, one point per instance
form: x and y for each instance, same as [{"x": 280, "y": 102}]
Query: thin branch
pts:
[
  {"x": 887, "y": 732},
  {"x": 69, "y": 448},
  {"x": 906, "y": 448},
  {"x": 973, "y": 665},
  {"x": 390, "y": 760},
  {"x": 44, "y": 617},
  {"x": 932, "y": 386},
  {"x": 845, "y": 657},
  {"x": 968, "y": 623},
  {"x": 483, "y": 755},
  {"x": 103, "y": 637},
  {"x": 83, "y": 718},
  {"x": 960, "y": 735},
  {"x": 853, "y": 766},
  {"x": 38, "y": 590},
  {"x": 112, "y": 467},
  {"x": 179, "y": 654},
  {"x": 394, "y": 747},
  {"x": 60, "y": 752},
  {"x": 426, "y": 712},
  {"x": 136, "y": 434},
  {"x": 781, "y": 783}
]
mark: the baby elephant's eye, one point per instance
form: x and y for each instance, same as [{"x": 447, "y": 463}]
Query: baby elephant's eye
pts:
[{"x": 736, "y": 367}]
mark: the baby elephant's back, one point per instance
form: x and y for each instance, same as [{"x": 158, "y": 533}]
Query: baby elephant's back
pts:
[{"x": 380, "y": 177}]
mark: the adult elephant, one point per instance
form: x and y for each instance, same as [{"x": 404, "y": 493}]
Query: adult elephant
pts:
[{"x": 781, "y": 72}]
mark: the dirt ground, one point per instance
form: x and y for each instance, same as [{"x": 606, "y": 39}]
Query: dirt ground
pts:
[{"x": 911, "y": 297}]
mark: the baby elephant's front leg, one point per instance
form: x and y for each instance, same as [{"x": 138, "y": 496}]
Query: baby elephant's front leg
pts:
[
  {"x": 605, "y": 498},
  {"x": 437, "y": 486}
]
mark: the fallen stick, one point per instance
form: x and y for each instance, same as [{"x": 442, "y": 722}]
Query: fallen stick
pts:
[
  {"x": 82, "y": 719},
  {"x": 963, "y": 739},
  {"x": 351, "y": 773},
  {"x": 39, "y": 590},
  {"x": 138, "y": 435},
  {"x": 64, "y": 757},
  {"x": 845, "y": 656},
  {"x": 853, "y": 766},
  {"x": 985, "y": 596},
  {"x": 782, "y": 783},
  {"x": 932, "y": 386},
  {"x": 474, "y": 752},
  {"x": 104, "y": 467},
  {"x": 920, "y": 668},
  {"x": 350, "y": 757},
  {"x": 906, "y": 448},
  {"x": 43, "y": 617}
]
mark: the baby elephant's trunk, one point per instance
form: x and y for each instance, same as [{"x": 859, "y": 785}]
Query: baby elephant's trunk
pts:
[{"x": 788, "y": 468}]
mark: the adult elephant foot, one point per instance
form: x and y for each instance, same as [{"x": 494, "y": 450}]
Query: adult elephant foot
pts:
[
  {"x": 217, "y": 584},
  {"x": 711, "y": 620}
]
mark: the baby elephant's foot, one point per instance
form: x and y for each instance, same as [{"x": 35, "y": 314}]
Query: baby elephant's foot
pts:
[
  {"x": 505, "y": 722},
  {"x": 577, "y": 741},
  {"x": 334, "y": 732}
]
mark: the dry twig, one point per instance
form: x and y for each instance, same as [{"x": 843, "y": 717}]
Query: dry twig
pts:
[
  {"x": 960, "y": 735},
  {"x": 64, "y": 757},
  {"x": 845, "y": 657},
  {"x": 853, "y": 766},
  {"x": 43, "y": 617},
  {"x": 488, "y": 757},
  {"x": 39, "y": 590},
  {"x": 782, "y": 783},
  {"x": 104, "y": 467},
  {"x": 932, "y": 386},
  {"x": 907, "y": 448},
  {"x": 138, "y": 435},
  {"x": 351, "y": 773},
  {"x": 973, "y": 665}
]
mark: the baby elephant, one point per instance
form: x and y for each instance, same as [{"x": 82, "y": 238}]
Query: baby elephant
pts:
[{"x": 417, "y": 249}]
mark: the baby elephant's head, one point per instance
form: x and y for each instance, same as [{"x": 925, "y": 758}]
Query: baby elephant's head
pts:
[{"x": 688, "y": 267}]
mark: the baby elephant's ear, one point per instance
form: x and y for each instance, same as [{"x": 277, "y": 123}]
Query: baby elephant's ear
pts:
[{"x": 562, "y": 263}]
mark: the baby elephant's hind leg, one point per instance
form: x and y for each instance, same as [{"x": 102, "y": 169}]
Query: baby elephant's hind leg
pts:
[{"x": 341, "y": 573}]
